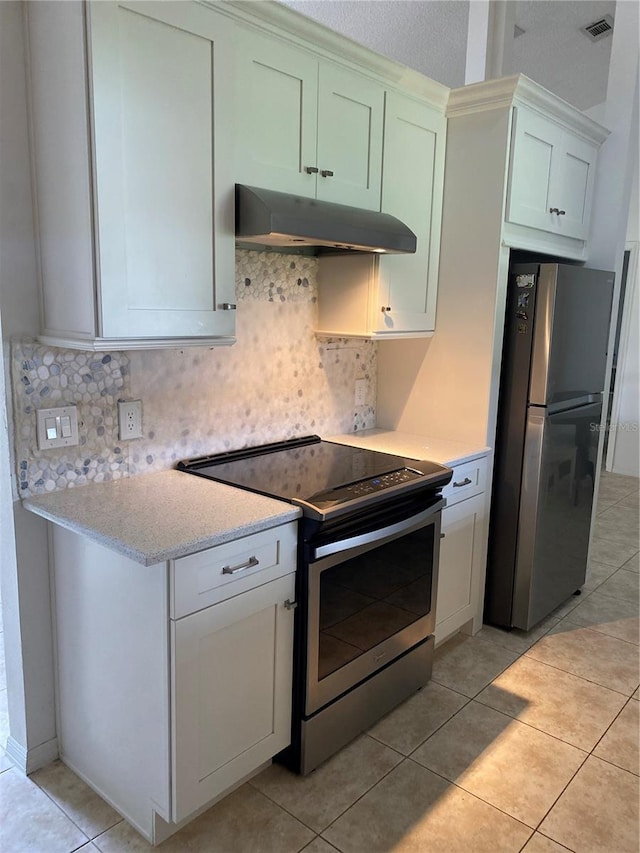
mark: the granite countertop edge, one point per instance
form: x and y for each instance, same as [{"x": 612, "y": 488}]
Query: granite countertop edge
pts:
[{"x": 152, "y": 518}]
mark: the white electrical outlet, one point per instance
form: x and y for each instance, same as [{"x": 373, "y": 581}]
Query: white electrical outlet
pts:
[
  {"x": 129, "y": 419},
  {"x": 361, "y": 392}
]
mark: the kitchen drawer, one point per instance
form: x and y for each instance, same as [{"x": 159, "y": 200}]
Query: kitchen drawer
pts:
[
  {"x": 468, "y": 479},
  {"x": 200, "y": 579}
]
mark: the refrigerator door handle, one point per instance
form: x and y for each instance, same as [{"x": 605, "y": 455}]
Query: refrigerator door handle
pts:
[{"x": 574, "y": 403}]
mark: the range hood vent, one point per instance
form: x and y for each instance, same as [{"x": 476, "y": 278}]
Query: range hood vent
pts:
[{"x": 280, "y": 220}]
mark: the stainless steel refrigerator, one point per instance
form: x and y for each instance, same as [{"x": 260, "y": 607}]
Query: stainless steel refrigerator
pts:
[{"x": 549, "y": 411}]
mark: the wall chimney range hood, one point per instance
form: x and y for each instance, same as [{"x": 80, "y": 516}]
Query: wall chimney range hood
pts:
[{"x": 281, "y": 220}]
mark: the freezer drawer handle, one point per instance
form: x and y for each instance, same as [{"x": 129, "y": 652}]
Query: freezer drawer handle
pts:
[
  {"x": 465, "y": 482},
  {"x": 250, "y": 564}
]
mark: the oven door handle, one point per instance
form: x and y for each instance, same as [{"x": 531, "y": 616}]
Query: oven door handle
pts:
[{"x": 404, "y": 526}]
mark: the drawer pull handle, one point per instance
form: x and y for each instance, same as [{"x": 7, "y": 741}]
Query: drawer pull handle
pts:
[
  {"x": 231, "y": 570},
  {"x": 290, "y": 605},
  {"x": 465, "y": 482}
]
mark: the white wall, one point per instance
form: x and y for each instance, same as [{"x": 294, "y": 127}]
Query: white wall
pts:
[
  {"x": 24, "y": 567},
  {"x": 615, "y": 196}
]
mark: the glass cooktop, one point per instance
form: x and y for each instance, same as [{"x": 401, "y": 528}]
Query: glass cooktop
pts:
[{"x": 316, "y": 472}]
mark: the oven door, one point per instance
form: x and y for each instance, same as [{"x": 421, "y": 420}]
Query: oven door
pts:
[{"x": 371, "y": 595}]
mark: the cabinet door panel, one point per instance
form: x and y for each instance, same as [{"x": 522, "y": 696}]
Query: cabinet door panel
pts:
[
  {"x": 462, "y": 527},
  {"x": 154, "y": 107},
  {"x": 350, "y": 119},
  {"x": 231, "y": 691},
  {"x": 276, "y": 104},
  {"x": 535, "y": 144},
  {"x": 413, "y": 168},
  {"x": 578, "y": 160}
]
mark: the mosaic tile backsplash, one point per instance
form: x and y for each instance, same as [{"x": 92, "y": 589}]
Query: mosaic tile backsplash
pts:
[{"x": 276, "y": 382}]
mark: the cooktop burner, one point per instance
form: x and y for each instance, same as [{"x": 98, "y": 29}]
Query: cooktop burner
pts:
[{"x": 318, "y": 475}]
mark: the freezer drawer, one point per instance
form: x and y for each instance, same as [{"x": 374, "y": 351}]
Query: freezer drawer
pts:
[{"x": 555, "y": 509}]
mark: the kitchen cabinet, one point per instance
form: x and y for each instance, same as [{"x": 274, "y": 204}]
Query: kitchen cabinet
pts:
[
  {"x": 134, "y": 201},
  {"x": 540, "y": 155},
  {"x": 174, "y": 680},
  {"x": 387, "y": 296},
  {"x": 551, "y": 178},
  {"x": 460, "y": 598},
  {"x": 305, "y": 125},
  {"x": 231, "y": 664}
]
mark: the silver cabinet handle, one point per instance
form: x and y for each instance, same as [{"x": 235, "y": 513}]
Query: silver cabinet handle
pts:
[
  {"x": 326, "y": 173},
  {"x": 228, "y": 306},
  {"x": 385, "y": 308},
  {"x": 557, "y": 211},
  {"x": 465, "y": 482},
  {"x": 231, "y": 570},
  {"x": 562, "y": 212},
  {"x": 290, "y": 605},
  {"x": 311, "y": 170}
]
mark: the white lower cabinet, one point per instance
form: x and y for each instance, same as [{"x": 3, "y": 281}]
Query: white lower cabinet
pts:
[
  {"x": 231, "y": 691},
  {"x": 462, "y": 551},
  {"x": 174, "y": 680}
]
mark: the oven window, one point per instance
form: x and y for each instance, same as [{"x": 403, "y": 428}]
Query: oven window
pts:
[{"x": 369, "y": 598}]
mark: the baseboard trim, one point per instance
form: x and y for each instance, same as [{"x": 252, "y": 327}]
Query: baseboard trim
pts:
[{"x": 30, "y": 760}]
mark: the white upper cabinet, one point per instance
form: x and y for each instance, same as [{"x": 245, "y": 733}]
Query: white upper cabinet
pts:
[
  {"x": 306, "y": 126},
  {"x": 387, "y": 296},
  {"x": 538, "y": 155},
  {"x": 552, "y": 174},
  {"x": 412, "y": 183},
  {"x": 135, "y": 209}
]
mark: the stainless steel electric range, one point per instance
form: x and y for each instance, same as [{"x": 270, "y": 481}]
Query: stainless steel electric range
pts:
[{"x": 367, "y": 573}]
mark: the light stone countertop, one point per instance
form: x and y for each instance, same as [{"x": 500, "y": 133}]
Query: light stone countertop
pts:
[
  {"x": 444, "y": 451},
  {"x": 151, "y": 518}
]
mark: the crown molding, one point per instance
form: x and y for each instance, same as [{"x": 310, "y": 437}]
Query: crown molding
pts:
[
  {"x": 285, "y": 22},
  {"x": 518, "y": 89}
]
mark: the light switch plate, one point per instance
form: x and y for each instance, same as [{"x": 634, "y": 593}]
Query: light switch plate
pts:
[{"x": 57, "y": 427}]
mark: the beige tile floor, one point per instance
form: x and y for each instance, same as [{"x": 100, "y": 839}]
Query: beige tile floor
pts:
[{"x": 521, "y": 742}]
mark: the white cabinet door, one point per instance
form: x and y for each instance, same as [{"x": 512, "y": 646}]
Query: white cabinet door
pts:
[
  {"x": 461, "y": 553},
  {"x": 551, "y": 176},
  {"x": 231, "y": 691},
  {"x": 577, "y": 169},
  {"x": 350, "y": 119},
  {"x": 163, "y": 204},
  {"x": 276, "y": 105},
  {"x": 304, "y": 126},
  {"x": 412, "y": 186}
]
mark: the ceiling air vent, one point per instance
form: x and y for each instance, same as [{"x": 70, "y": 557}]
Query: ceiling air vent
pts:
[{"x": 599, "y": 29}]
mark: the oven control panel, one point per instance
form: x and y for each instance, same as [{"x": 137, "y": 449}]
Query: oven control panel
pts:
[{"x": 383, "y": 481}]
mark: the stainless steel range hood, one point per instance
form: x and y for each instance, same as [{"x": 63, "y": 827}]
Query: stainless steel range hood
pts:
[{"x": 280, "y": 220}]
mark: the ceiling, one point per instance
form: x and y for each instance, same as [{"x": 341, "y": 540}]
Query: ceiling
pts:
[
  {"x": 431, "y": 36},
  {"x": 556, "y": 54}
]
